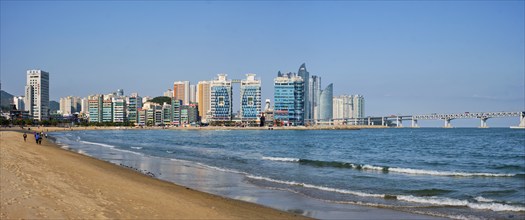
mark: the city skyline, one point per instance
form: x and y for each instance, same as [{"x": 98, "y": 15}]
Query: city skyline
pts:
[{"x": 404, "y": 57}]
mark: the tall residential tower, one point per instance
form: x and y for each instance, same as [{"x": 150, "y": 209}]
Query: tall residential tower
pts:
[
  {"x": 250, "y": 98},
  {"x": 37, "y": 94}
]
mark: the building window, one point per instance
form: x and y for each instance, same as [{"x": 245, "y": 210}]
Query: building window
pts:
[{"x": 221, "y": 100}]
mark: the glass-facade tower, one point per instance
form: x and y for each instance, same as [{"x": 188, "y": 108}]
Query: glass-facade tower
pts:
[
  {"x": 289, "y": 98},
  {"x": 326, "y": 103},
  {"x": 221, "y": 99},
  {"x": 250, "y": 98}
]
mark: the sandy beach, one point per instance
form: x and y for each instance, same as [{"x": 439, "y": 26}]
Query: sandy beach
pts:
[{"x": 45, "y": 181}]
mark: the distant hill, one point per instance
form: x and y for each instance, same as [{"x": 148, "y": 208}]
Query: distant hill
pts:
[
  {"x": 54, "y": 106},
  {"x": 5, "y": 99}
]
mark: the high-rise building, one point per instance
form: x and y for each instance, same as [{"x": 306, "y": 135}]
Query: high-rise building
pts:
[
  {"x": 167, "y": 114},
  {"x": 193, "y": 93},
  {"x": 303, "y": 73},
  {"x": 315, "y": 93},
  {"x": 204, "y": 93},
  {"x": 181, "y": 91},
  {"x": 358, "y": 108},
  {"x": 221, "y": 98},
  {"x": 119, "y": 109},
  {"x": 250, "y": 98},
  {"x": 326, "y": 103},
  {"x": 134, "y": 103},
  {"x": 342, "y": 106},
  {"x": 189, "y": 114},
  {"x": 70, "y": 105},
  {"x": 120, "y": 92},
  {"x": 107, "y": 108},
  {"x": 95, "y": 108},
  {"x": 37, "y": 94},
  {"x": 84, "y": 107},
  {"x": 289, "y": 98},
  {"x": 19, "y": 102},
  {"x": 176, "y": 105}
]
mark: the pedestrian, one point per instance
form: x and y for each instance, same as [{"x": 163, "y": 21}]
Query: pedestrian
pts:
[
  {"x": 40, "y": 139},
  {"x": 37, "y": 136},
  {"x": 25, "y": 137}
]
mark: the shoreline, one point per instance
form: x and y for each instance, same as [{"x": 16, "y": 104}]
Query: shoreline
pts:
[
  {"x": 344, "y": 211},
  {"x": 46, "y": 181}
]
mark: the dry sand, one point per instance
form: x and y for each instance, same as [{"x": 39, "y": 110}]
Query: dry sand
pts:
[{"x": 45, "y": 181}]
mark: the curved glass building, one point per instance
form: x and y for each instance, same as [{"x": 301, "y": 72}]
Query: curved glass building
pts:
[{"x": 326, "y": 103}]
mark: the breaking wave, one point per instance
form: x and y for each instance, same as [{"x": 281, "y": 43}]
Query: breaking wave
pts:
[
  {"x": 384, "y": 169},
  {"x": 433, "y": 200}
]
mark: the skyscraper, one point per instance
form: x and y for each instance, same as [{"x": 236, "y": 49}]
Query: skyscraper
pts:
[
  {"x": 250, "y": 98},
  {"x": 315, "y": 93},
  {"x": 204, "y": 93},
  {"x": 193, "y": 93},
  {"x": 37, "y": 94},
  {"x": 358, "y": 108},
  {"x": 342, "y": 106},
  {"x": 303, "y": 73},
  {"x": 326, "y": 103},
  {"x": 95, "y": 108},
  {"x": 289, "y": 98},
  {"x": 181, "y": 91},
  {"x": 221, "y": 98}
]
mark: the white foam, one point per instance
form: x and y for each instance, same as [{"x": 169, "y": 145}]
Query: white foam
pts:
[
  {"x": 370, "y": 167},
  {"x": 445, "y": 173},
  {"x": 456, "y": 202},
  {"x": 482, "y": 199},
  {"x": 99, "y": 144},
  {"x": 283, "y": 159},
  {"x": 497, "y": 207},
  {"x": 138, "y": 148},
  {"x": 434, "y": 200},
  {"x": 324, "y": 188},
  {"x": 222, "y": 169}
]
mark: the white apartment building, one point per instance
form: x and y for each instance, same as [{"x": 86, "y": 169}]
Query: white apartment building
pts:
[{"x": 37, "y": 94}]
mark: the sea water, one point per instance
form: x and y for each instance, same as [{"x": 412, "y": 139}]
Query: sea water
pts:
[{"x": 457, "y": 173}]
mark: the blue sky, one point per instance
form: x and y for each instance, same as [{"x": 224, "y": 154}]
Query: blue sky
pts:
[{"x": 405, "y": 57}]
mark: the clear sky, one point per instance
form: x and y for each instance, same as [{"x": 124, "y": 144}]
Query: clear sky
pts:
[{"x": 405, "y": 57}]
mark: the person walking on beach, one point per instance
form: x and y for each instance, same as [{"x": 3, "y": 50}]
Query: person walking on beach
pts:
[
  {"x": 37, "y": 137},
  {"x": 25, "y": 137}
]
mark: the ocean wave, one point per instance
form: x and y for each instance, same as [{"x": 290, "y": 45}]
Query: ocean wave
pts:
[
  {"x": 433, "y": 200},
  {"x": 222, "y": 169},
  {"x": 323, "y": 188},
  {"x": 111, "y": 146},
  {"x": 446, "y": 173},
  {"x": 137, "y": 148},
  {"x": 497, "y": 207},
  {"x": 283, "y": 159},
  {"x": 98, "y": 144},
  {"x": 385, "y": 169}
]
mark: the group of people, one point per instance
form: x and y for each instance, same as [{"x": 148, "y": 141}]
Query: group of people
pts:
[{"x": 38, "y": 137}]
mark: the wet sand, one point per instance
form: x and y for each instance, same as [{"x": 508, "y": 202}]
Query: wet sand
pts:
[{"x": 45, "y": 181}]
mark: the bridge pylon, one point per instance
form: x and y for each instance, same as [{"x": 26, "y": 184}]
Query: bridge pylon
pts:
[
  {"x": 483, "y": 122},
  {"x": 447, "y": 122},
  {"x": 414, "y": 123},
  {"x": 522, "y": 120}
]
